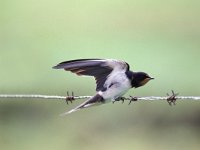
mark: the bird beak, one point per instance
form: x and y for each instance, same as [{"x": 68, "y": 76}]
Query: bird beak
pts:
[{"x": 151, "y": 78}]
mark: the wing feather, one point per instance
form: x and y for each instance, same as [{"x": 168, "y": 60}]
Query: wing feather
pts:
[{"x": 99, "y": 68}]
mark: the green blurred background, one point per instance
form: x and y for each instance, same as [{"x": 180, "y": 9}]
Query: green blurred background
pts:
[{"x": 158, "y": 37}]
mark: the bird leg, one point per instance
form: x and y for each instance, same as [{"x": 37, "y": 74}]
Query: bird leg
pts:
[
  {"x": 69, "y": 98},
  {"x": 119, "y": 99},
  {"x": 172, "y": 98}
]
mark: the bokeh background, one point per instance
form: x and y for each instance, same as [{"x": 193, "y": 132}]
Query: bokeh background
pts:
[{"x": 158, "y": 37}]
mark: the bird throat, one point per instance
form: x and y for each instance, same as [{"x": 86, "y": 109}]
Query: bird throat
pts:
[{"x": 144, "y": 81}]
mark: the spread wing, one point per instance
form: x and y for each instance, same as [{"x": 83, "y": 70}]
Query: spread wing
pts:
[{"x": 99, "y": 68}]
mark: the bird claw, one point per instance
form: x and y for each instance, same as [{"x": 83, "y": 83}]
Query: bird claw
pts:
[
  {"x": 132, "y": 99},
  {"x": 172, "y": 98},
  {"x": 69, "y": 98},
  {"x": 119, "y": 99}
]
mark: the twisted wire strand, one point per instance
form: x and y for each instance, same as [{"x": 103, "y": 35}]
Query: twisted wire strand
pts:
[{"x": 57, "y": 97}]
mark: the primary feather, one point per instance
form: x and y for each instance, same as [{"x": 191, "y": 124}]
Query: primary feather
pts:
[{"x": 99, "y": 68}]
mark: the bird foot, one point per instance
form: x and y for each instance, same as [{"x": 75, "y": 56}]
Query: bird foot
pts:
[
  {"x": 132, "y": 99},
  {"x": 69, "y": 98},
  {"x": 119, "y": 99},
  {"x": 172, "y": 98}
]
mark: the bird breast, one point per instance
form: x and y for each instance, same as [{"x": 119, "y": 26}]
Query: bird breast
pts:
[{"x": 117, "y": 85}]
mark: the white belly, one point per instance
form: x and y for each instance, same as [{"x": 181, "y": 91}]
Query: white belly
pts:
[{"x": 121, "y": 85}]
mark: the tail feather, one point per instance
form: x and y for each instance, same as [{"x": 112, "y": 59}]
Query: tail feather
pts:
[{"x": 95, "y": 100}]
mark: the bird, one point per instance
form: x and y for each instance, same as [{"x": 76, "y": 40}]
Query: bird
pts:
[{"x": 113, "y": 79}]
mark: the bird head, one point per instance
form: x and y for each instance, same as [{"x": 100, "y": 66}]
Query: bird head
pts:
[{"x": 140, "y": 79}]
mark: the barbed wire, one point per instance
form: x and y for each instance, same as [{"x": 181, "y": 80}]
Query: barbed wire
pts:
[{"x": 171, "y": 99}]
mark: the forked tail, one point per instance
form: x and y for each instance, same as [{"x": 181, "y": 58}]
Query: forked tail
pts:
[{"x": 95, "y": 100}]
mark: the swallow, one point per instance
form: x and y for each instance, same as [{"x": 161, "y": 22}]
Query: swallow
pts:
[{"x": 113, "y": 78}]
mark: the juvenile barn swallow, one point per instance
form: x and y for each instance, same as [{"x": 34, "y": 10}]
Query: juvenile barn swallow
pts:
[{"x": 113, "y": 78}]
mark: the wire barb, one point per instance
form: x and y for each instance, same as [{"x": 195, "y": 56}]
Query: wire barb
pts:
[
  {"x": 132, "y": 99},
  {"x": 69, "y": 98},
  {"x": 172, "y": 98}
]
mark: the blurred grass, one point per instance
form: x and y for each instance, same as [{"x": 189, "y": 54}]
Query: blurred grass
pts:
[{"x": 161, "y": 38}]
